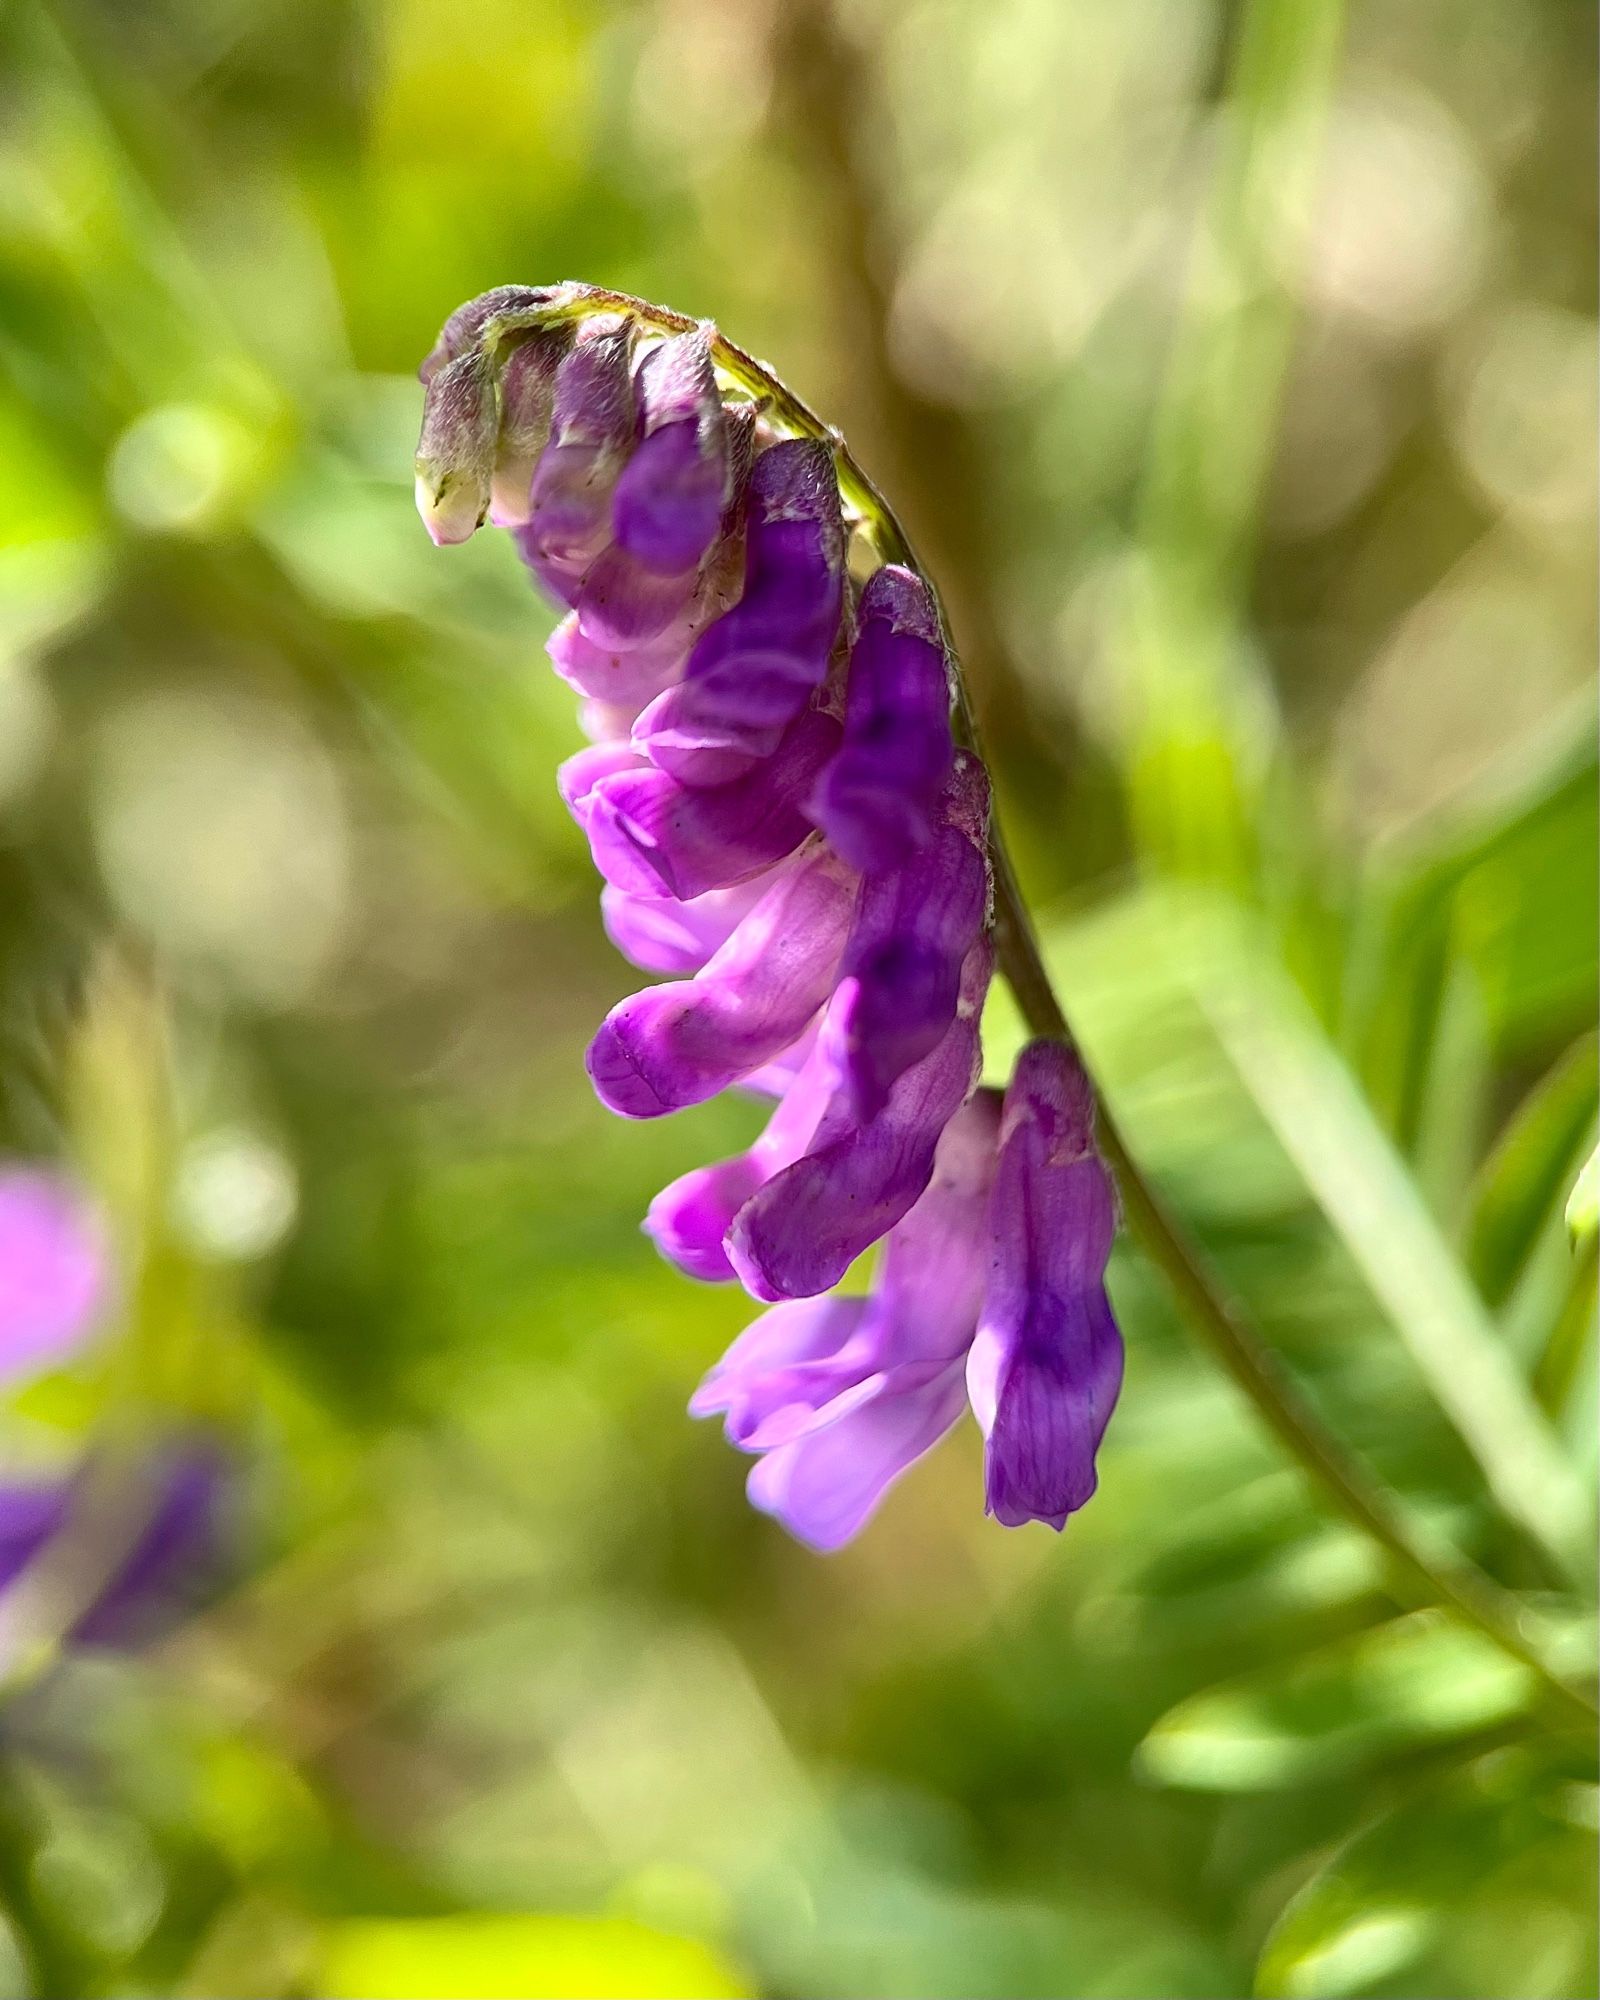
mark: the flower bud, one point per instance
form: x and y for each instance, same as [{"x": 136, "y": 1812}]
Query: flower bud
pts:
[
  {"x": 464, "y": 326},
  {"x": 675, "y": 488},
  {"x": 455, "y": 454},
  {"x": 592, "y": 430},
  {"x": 527, "y": 402}
]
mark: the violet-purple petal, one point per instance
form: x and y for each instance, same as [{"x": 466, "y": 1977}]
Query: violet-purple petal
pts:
[
  {"x": 749, "y": 1383},
  {"x": 913, "y": 929},
  {"x": 930, "y": 1280},
  {"x": 826, "y": 1484},
  {"x": 673, "y": 492},
  {"x": 878, "y": 802},
  {"x": 670, "y": 499},
  {"x": 800, "y": 1232},
  {"x": 621, "y": 604},
  {"x": 753, "y": 670},
  {"x": 176, "y": 1558},
  {"x": 676, "y": 1045},
  {"x": 1046, "y": 1365},
  {"x": 591, "y": 432},
  {"x": 653, "y": 836},
  {"x": 806, "y": 1362},
  {"x": 160, "y": 1526}
]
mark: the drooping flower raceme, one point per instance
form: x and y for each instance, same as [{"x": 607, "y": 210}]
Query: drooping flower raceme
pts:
[{"x": 794, "y": 845}]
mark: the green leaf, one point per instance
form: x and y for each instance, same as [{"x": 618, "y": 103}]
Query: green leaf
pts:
[
  {"x": 1362, "y": 1185},
  {"x": 1464, "y": 1886},
  {"x": 1417, "y": 1679},
  {"x": 489, "y": 1957},
  {"x": 1528, "y": 1171},
  {"x": 1583, "y": 1204}
]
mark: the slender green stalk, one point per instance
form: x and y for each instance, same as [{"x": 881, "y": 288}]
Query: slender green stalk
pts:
[{"x": 1432, "y": 1571}]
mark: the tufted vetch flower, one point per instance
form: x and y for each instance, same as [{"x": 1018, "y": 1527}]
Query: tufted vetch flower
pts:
[{"x": 797, "y": 846}]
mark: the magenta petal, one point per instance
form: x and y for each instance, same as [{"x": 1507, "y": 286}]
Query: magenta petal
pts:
[
  {"x": 652, "y": 836},
  {"x": 690, "y": 1217},
  {"x": 52, "y": 1269},
  {"x": 672, "y": 1046},
  {"x": 825, "y": 1485},
  {"x": 659, "y": 934},
  {"x": 689, "y": 1220},
  {"x": 626, "y": 677},
  {"x": 1046, "y": 1364},
  {"x": 774, "y": 1078},
  {"x": 579, "y": 776},
  {"x": 878, "y": 802}
]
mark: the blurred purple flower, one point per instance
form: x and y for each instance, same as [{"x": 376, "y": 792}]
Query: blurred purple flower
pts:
[
  {"x": 53, "y": 1272},
  {"x": 115, "y": 1551},
  {"x": 789, "y": 835}
]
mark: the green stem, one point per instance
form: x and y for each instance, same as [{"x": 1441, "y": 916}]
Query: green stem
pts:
[{"x": 1432, "y": 1571}]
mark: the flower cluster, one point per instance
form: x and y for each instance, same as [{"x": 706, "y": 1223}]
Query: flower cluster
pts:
[{"x": 792, "y": 841}]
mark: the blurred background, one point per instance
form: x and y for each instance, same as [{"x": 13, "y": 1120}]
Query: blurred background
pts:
[{"x": 394, "y": 1632}]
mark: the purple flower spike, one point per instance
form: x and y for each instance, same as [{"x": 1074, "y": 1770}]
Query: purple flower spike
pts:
[
  {"x": 806, "y": 1226},
  {"x": 756, "y": 668},
  {"x": 789, "y": 837},
  {"x": 52, "y": 1269},
  {"x": 654, "y": 837},
  {"x": 591, "y": 433},
  {"x": 675, "y": 489},
  {"x": 842, "y": 1395},
  {"x": 1046, "y": 1365},
  {"x": 878, "y": 801}
]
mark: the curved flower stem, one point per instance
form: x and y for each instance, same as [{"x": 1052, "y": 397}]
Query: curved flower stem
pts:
[{"x": 1431, "y": 1569}]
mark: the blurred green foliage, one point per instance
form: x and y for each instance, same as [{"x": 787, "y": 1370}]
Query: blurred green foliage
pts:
[{"x": 1236, "y": 366}]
